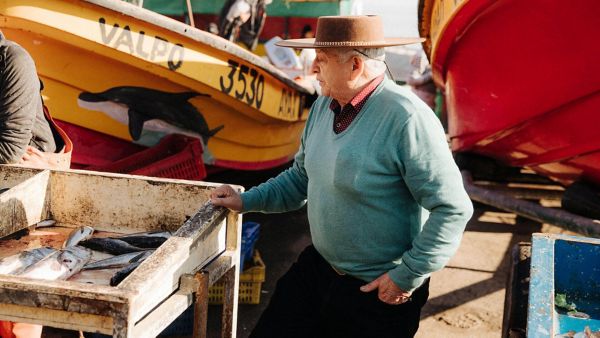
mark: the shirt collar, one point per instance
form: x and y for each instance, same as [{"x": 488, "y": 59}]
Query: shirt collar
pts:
[{"x": 358, "y": 98}]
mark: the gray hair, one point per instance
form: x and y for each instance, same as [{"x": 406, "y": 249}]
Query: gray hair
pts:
[{"x": 374, "y": 58}]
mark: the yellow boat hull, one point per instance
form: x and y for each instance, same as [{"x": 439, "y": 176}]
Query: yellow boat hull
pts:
[{"x": 98, "y": 45}]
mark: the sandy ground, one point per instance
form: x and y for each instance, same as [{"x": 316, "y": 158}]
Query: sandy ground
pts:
[{"x": 467, "y": 297}]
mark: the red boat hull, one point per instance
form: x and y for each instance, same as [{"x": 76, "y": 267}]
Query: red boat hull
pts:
[{"x": 522, "y": 81}]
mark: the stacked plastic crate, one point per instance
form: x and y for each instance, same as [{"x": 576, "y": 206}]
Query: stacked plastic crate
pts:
[{"x": 252, "y": 267}]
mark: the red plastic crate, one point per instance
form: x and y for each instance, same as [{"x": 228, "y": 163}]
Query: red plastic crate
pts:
[{"x": 175, "y": 156}]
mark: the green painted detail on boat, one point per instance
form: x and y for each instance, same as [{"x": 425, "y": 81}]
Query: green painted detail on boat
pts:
[{"x": 276, "y": 8}]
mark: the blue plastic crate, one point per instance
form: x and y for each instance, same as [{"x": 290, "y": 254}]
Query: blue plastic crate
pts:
[
  {"x": 250, "y": 232},
  {"x": 568, "y": 266}
]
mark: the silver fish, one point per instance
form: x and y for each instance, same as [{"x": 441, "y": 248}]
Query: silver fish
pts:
[
  {"x": 80, "y": 234},
  {"x": 45, "y": 223},
  {"x": 15, "y": 264},
  {"x": 60, "y": 265},
  {"x": 118, "y": 261}
]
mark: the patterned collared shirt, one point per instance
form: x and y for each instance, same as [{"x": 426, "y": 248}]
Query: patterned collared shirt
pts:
[{"x": 343, "y": 117}]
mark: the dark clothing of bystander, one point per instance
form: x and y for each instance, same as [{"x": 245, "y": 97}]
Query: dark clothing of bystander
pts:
[{"x": 22, "y": 120}]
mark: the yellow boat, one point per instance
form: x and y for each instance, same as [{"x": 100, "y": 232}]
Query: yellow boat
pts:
[{"x": 121, "y": 70}]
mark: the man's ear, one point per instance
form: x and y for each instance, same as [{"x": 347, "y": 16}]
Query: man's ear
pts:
[{"x": 358, "y": 66}]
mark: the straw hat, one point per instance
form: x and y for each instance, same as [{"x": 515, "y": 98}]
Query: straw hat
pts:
[{"x": 362, "y": 31}]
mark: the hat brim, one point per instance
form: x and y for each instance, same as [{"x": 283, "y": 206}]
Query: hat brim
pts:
[{"x": 311, "y": 43}]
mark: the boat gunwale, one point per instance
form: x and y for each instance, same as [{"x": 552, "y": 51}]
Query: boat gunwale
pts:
[
  {"x": 449, "y": 33},
  {"x": 195, "y": 34}
]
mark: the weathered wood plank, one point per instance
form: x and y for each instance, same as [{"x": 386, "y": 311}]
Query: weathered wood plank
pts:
[
  {"x": 56, "y": 318},
  {"x": 157, "y": 320},
  {"x": 207, "y": 215},
  {"x": 24, "y": 204},
  {"x": 87, "y": 304},
  {"x": 232, "y": 277},
  {"x": 11, "y": 175},
  {"x": 175, "y": 257},
  {"x": 234, "y": 232},
  {"x": 122, "y": 326},
  {"x": 124, "y": 203},
  {"x": 217, "y": 268},
  {"x": 64, "y": 288}
]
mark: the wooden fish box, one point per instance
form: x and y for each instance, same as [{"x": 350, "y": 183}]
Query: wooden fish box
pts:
[
  {"x": 564, "y": 286},
  {"x": 205, "y": 249}
]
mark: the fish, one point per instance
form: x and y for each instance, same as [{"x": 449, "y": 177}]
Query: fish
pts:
[
  {"x": 123, "y": 273},
  {"x": 80, "y": 234},
  {"x": 97, "y": 277},
  {"x": 45, "y": 223},
  {"x": 135, "y": 106},
  {"x": 152, "y": 241},
  {"x": 118, "y": 261},
  {"x": 158, "y": 233},
  {"x": 59, "y": 265},
  {"x": 110, "y": 245},
  {"x": 144, "y": 242},
  {"x": 15, "y": 264}
]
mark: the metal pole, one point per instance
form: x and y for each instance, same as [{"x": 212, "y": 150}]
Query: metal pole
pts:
[
  {"x": 190, "y": 12},
  {"x": 531, "y": 210},
  {"x": 200, "y": 305}
]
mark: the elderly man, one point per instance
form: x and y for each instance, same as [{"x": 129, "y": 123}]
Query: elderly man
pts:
[{"x": 386, "y": 205}]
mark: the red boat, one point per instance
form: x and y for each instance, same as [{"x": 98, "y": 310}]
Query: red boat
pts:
[{"x": 521, "y": 80}]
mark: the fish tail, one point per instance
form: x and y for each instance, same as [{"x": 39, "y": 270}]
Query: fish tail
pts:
[
  {"x": 214, "y": 131},
  {"x": 188, "y": 95}
]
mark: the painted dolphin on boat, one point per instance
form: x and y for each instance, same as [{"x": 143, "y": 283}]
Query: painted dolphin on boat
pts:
[{"x": 149, "y": 109}]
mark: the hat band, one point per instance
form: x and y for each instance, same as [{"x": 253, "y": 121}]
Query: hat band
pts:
[{"x": 349, "y": 43}]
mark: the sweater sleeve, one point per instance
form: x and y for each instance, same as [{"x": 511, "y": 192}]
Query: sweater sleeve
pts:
[
  {"x": 285, "y": 192},
  {"x": 20, "y": 88},
  {"x": 435, "y": 182}
]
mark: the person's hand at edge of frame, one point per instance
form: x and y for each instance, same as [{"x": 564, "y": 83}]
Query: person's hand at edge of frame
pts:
[
  {"x": 226, "y": 196},
  {"x": 388, "y": 291}
]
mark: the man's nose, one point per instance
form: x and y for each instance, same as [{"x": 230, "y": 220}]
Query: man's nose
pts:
[{"x": 314, "y": 68}]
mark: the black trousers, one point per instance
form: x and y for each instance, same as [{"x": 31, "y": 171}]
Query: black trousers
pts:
[{"x": 312, "y": 300}]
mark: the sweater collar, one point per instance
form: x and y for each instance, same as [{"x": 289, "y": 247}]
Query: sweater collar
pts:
[{"x": 359, "y": 98}]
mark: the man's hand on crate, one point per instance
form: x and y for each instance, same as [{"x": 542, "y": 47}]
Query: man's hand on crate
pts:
[{"x": 226, "y": 196}]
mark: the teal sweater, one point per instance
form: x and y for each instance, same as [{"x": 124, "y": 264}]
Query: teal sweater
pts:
[{"x": 383, "y": 196}]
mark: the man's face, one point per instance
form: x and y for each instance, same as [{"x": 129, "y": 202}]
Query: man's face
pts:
[{"x": 333, "y": 75}]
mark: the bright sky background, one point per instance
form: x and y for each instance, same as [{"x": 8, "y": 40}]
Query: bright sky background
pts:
[{"x": 399, "y": 16}]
